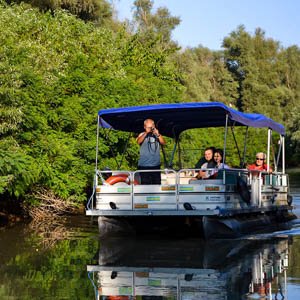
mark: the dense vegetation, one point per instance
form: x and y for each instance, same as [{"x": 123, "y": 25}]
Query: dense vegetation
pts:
[{"x": 59, "y": 67}]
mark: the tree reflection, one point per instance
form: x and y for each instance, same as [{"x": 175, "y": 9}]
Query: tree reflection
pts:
[{"x": 49, "y": 264}]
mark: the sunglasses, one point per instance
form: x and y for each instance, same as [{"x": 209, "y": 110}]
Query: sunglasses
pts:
[{"x": 257, "y": 158}]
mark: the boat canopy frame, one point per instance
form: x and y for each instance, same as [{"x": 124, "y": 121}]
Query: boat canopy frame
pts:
[{"x": 173, "y": 119}]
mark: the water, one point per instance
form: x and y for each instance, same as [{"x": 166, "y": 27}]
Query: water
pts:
[
  {"x": 67, "y": 261},
  {"x": 47, "y": 263}
]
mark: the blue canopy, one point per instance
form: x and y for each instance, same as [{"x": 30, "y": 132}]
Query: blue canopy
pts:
[{"x": 172, "y": 119}]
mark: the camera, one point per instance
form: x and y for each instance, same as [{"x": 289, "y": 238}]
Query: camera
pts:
[{"x": 152, "y": 129}]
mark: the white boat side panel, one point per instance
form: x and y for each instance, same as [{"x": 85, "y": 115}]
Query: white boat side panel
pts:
[
  {"x": 118, "y": 189},
  {"x": 203, "y": 187},
  {"x": 106, "y": 206},
  {"x": 155, "y": 206},
  {"x": 156, "y": 281},
  {"x": 155, "y": 274},
  {"x": 114, "y": 197},
  {"x": 123, "y": 278},
  {"x": 122, "y": 201},
  {"x": 123, "y": 291},
  {"x": 202, "y": 198},
  {"x": 155, "y": 198},
  {"x": 152, "y": 189},
  {"x": 156, "y": 291}
]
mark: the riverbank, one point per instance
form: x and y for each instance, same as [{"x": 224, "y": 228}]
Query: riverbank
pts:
[{"x": 8, "y": 218}]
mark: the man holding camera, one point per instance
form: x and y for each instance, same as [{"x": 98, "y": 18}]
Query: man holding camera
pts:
[{"x": 150, "y": 141}]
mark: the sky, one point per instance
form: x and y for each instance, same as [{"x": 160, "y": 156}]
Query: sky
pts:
[{"x": 207, "y": 22}]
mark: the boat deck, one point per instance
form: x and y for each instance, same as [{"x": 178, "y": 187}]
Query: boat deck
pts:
[{"x": 178, "y": 195}]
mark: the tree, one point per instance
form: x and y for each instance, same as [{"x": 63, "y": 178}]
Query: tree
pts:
[
  {"x": 88, "y": 10},
  {"x": 205, "y": 76},
  {"x": 267, "y": 74},
  {"x": 255, "y": 63},
  {"x": 60, "y": 88},
  {"x": 158, "y": 25}
]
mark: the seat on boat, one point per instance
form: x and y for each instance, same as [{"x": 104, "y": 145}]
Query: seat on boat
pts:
[{"x": 170, "y": 178}]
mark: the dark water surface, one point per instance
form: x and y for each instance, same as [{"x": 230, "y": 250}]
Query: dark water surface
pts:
[{"x": 67, "y": 261}]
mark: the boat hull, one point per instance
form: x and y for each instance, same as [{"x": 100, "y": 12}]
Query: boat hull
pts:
[
  {"x": 233, "y": 227},
  {"x": 207, "y": 227},
  {"x": 176, "y": 226}
]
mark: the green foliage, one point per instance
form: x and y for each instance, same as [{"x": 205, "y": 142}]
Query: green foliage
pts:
[
  {"x": 267, "y": 77},
  {"x": 257, "y": 65},
  {"x": 155, "y": 25},
  {"x": 293, "y": 142},
  {"x": 205, "y": 76},
  {"x": 193, "y": 143},
  {"x": 10, "y": 117},
  {"x": 92, "y": 10},
  {"x": 57, "y": 71},
  {"x": 18, "y": 171}
]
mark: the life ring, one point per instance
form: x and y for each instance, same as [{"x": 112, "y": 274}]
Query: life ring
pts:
[
  {"x": 119, "y": 178},
  {"x": 242, "y": 189}
]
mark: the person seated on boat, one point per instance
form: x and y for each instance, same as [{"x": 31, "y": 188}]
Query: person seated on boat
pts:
[
  {"x": 150, "y": 140},
  {"x": 218, "y": 158},
  {"x": 206, "y": 162},
  {"x": 259, "y": 164}
]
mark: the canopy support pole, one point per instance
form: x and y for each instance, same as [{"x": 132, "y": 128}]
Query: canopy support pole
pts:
[
  {"x": 173, "y": 154},
  {"x": 275, "y": 159},
  {"x": 236, "y": 144},
  {"x": 225, "y": 139},
  {"x": 179, "y": 155},
  {"x": 97, "y": 150},
  {"x": 268, "y": 151},
  {"x": 225, "y": 144},
  {"x": 242, "y": 163},
  {"x": 283, "y": 154},
  {"x": 279, "y": 152},
  {"x": 90, "y": 203}
]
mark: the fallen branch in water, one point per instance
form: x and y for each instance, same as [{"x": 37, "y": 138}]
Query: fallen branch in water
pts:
[
  {"x": 48, "y": 217},
  {"x": 51, "y": 232}
]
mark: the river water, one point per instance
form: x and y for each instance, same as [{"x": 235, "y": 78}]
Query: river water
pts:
[{"x": 66, "y": 260}]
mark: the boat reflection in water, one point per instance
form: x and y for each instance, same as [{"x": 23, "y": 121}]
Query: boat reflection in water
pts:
[{"x": 193, "y": 269}]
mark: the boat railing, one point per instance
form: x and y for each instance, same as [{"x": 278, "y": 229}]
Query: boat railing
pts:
[
  {"x": 178, "y": 187},
  {"x": 262, "y": 182}
]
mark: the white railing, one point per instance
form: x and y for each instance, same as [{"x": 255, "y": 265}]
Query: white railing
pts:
[{"x": 175, "y": 185}]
